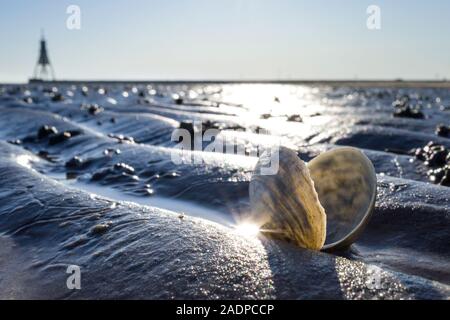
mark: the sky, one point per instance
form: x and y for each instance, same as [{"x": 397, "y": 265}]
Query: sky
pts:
[{"x": 227, "y": 39}]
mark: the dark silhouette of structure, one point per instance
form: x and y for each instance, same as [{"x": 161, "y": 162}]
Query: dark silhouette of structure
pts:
[{"x": 43, "y": 71}]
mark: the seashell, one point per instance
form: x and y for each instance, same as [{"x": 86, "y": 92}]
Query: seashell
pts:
[
  {"x": 346, "y": 182},
  {"x": 322, "y": 205}
]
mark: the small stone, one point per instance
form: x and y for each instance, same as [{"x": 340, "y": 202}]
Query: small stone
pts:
[
  {"x": 295, "y": 118},
  {"x": 100, "y": 228}
]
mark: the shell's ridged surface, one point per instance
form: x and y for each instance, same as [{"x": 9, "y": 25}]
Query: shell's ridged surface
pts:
[
  {"x": 287, "y": 202},
  {"x": 345, "y": 180}
]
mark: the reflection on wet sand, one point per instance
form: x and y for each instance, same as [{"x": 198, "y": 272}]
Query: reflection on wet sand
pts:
[{"x": 88, "y": 179}]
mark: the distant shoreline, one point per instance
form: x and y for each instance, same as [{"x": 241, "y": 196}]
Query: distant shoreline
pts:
[{"x": 338, "y": 83}]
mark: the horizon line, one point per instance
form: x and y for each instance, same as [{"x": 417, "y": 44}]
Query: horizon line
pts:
[{"x": 219, "y": 81}]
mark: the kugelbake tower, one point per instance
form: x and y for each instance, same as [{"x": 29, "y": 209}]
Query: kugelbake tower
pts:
[{"x": 43, "y": 70}]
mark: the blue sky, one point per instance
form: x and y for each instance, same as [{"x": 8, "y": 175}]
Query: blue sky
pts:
[{"x": 228, "y": 39}]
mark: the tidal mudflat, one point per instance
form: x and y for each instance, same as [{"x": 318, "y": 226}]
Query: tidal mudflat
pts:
[{"x": 87, "y": 179}]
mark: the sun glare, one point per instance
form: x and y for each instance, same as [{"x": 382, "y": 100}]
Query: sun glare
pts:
[
  {"x": 24, "y": 160},
  {"x": 247, "y": 229}
]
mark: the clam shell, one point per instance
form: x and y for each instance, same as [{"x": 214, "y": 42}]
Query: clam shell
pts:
[
  {"x": 285, "y": 204},
  {"x": 322, "y": 205},
  {"x": 346, "y": 182}
]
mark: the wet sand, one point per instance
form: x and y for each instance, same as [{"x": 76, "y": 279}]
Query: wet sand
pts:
[{"x": 87, "y": 179}]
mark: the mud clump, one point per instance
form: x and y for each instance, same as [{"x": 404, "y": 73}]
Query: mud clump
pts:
[
  {"x": 403, "y": 109},
  {"x": 295, "y": 118},
  {"x": 445, "y": 181},
  {"x": 177, "y": 99},
  {"x": 64, "y": 136},
  {"x": 437, "y": 158},
  {"x": 101, "y": 228},
  {"x": 57, "y": 97},
  {"x": 440, "y": 175},
  {"x": 433, "y": 154},
  {"x": 408, "y": 112},
  {"x": 74, "y": 163},
  {"x": 47, "y": 156},
  {"x": 53, "y": 135},
  {"x": 443, "y": 131},
  {"x": 93, "y": 108},
  {"x": 16, "y": 142},
  {"x": 60, "y": 137},
  {"x": 46, "y": 131}
]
